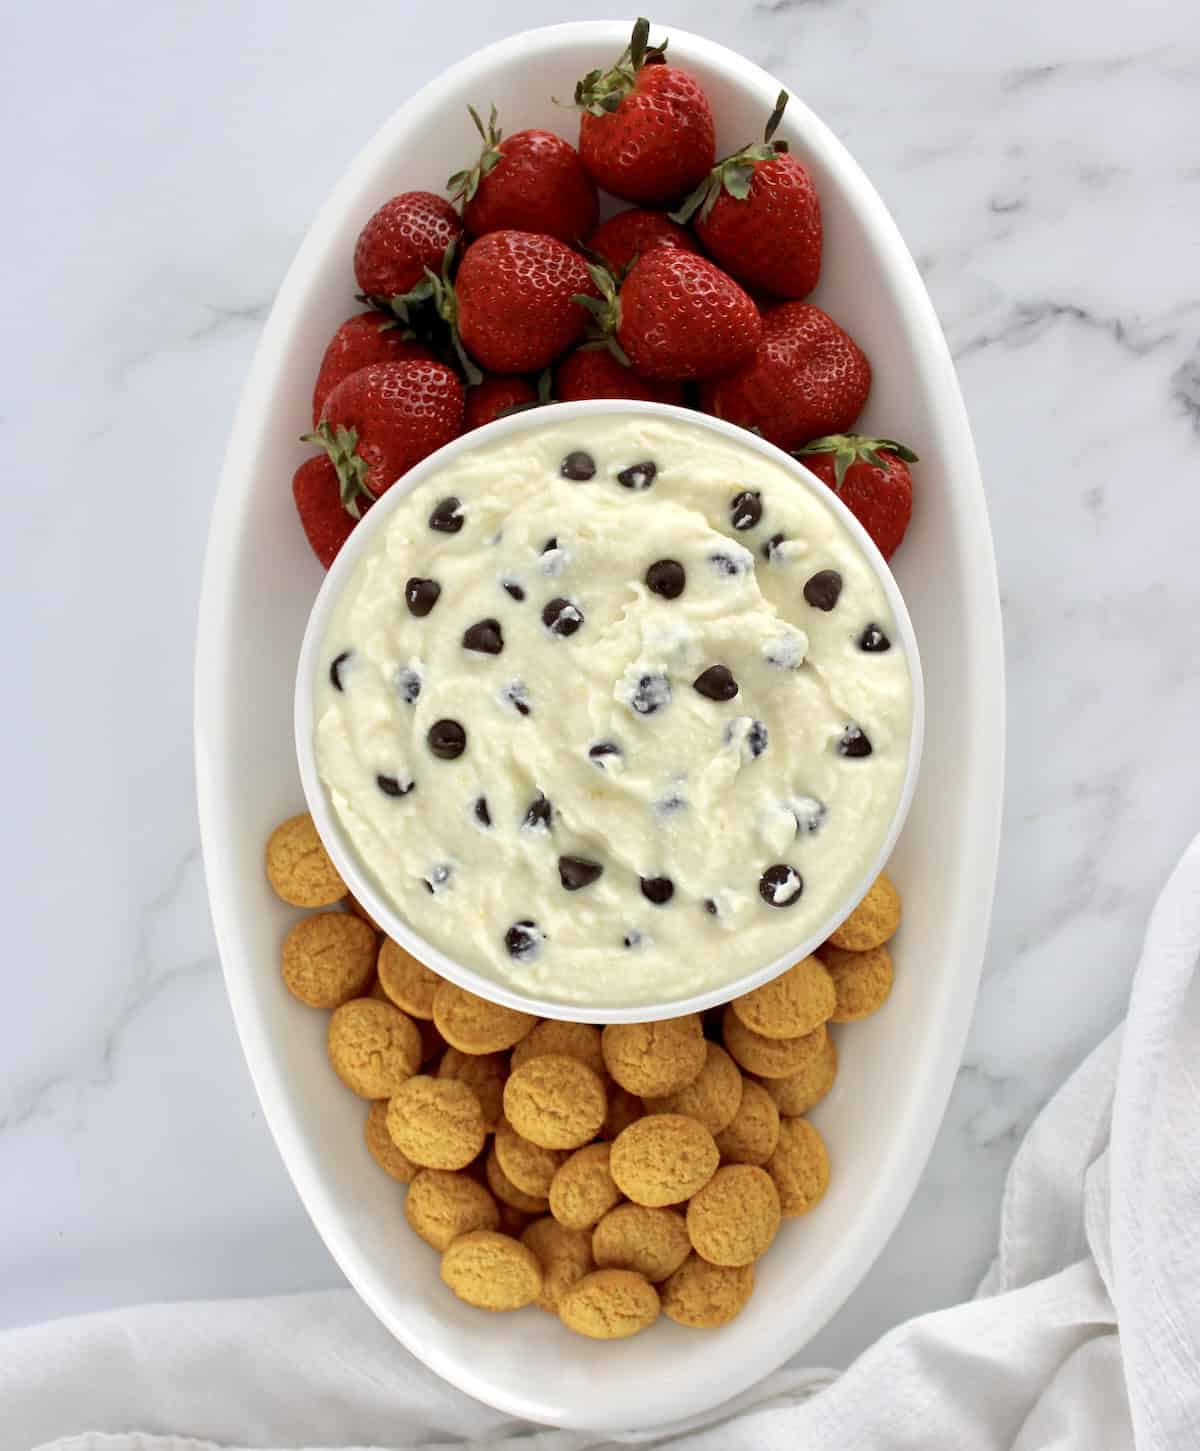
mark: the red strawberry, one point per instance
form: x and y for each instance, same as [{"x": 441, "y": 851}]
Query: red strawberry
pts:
[
  {"x": 533, "y": 182},
  {"x": 871, "y": 477},
  {"x": 677, "y": 316},
  {"x": 757, "y": 213},
  {"x": 596, "y": 373},
  {"x": 319, "y": 504},
  {"x": 380, "y": 421},
  {"x": 807, "y": 378},
  {"x": 514, "y": 302},
  {"x": 406, "y": 235},
  {"x": 368, "y": 337},
  {"x": 627, "y": 235},
  {"x": 486, "y": 401},
  {"x": 646, "y": 133}
]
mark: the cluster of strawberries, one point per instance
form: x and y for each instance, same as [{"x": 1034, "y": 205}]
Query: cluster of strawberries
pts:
[{"x": 522, "y": 299}]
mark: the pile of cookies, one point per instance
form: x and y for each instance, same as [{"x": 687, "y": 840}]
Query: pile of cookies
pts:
[{"x": 606, "y": 1175}]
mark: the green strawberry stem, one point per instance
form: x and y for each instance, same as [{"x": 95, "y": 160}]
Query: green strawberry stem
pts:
[
  {"x": 852, "y": 448},
  {"x": 340, "y": 444},
  {"x": 735, "y": 172},
  {"x": 464, "y": 184},
  {"x": 606, "y": 312},
  {"x": 601, "y": 92},
  {"x": 446, "y": 302},
  {"x": 402, "y": 305}
]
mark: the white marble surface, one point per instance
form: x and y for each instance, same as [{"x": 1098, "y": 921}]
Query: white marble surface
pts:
[{"x": 163, "y": 163}]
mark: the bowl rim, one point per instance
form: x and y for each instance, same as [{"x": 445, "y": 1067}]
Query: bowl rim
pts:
[{"x": 362, "y": 883}]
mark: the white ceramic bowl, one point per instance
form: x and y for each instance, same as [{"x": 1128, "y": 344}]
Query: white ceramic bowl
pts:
[
  {"x": 363, "y": 884},
  {"x": 260, "y": 581}
]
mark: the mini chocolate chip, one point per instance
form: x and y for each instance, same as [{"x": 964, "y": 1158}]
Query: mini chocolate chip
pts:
[
  {"x": 447, "y": 739},
  {"x": 666, "y": 577},
  {"x": 551, "y": 543},
  {"x": 438, "y": 878},
  {"x": 485, "y": 637},
  {"x": 578, "y": 466},
  {"x": 658, "y": 890},
  {"x": 408, "y": 684},
  {"x": 710, "y": 906},
  {"x": 651, "y": 694},
  {"x": 633, "y": 938},
  {"x": 755, "y": 737},
  {"x": 335, "y": 670},
  {"x": 638, "y": 476},
  {"x": 575, "y": 872},
  {"x": 393, "y": 786},
  {"x": 771, "y": 547},
  {"x": 539, "y": 815},
  {"x": 780, "y": 885},
  {"x": 513, "y": 588},
  {"x": 523, "y": 939},
  {"x": 854, "y": 742},
  {"x": 746, "y": 509},
  {"x": 726, "y": 565},
  {"x": 482, "y": 815},
  {"x": 716, "y": 683},
  {"x": 516, "y": 694},
  {"x": 421, "y": 595},
  {"x": 561, "y": 617},
  {"x": 823, "y": 589},
  {"x": 810, "y": 814},
  {"x": 447, "y": 517},
  {"x": 600, "y": 750},
  {"x": 874, "y": 641}
]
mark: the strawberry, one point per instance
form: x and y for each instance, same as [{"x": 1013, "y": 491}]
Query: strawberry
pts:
[
  {"x": 532, "y": 182},
  {"x": 646, "y": 132},
  {"x": 627, "y": 235},
  {"x": 757, "y": 213},
  {"x": 367, "y": 337},
  {"x": 380, "y": 421},
  {"x": 591, "y": 372},
  {"x": 871, "y": 477},
  {"x": 404, "y": 237},
  {"x": 676, "y": 316},
  {"x": 514, "y": 305},
  {"x": 319, "y": 503},
  {"x": 495, "y": 397},
  {"x": 806, "y": 379}
]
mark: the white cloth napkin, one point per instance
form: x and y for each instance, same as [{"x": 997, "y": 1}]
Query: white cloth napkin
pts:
[{"x": 1085, "y": 1332}]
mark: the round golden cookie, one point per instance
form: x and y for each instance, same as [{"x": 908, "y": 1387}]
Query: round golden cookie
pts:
[
  {"x": 609, "y": 1305},
  {"x": 299, "y": 868},
  {"x": 328, "y": 959},
  {"x": 705, "y": 1296},
  {"x": 754, "y": 1132},
  {"x": 623, "y": 1108},
  {"x": 485, "y": 1073},
  {"x": 734, "y": 1218},
  {"x": 374, "y": 1048},
  {"x": 360, "y": 911},
  {"x": 804, "y": 1090},
  {"x": 473, "y": 1025},
  {"x": 574, "y": 1040},
  {"x": 440, "y": 1205},
  {"x": 654, "y": 1242},
  {"x": 507, "y": 1192},
  {"x": 583, "y": 1189},
  {"x": 713, "y": 1095},
  {"x": 790, "y": 1005},
  {"x": 799, "y": 1167},
  {"x": 514, "y": 1221},
  {"x": 874, "y": 921},
  {"x": 528, "y": 1166},
  {"x": 409, "y": 983},
  {"x": 771, "y": 1057},
  {"x": 437, "y": 1122},
  {"x": 555, "y": 1101},
  {"x": 862, "y": 981},
  {"x": 654, "y": 1059},
  {"x": 565, "y": 1256},
  {"x": 663, "y": 1158},
  {"x": 492, "y": 1271},
  {"x": 383, "y": 1151}
]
